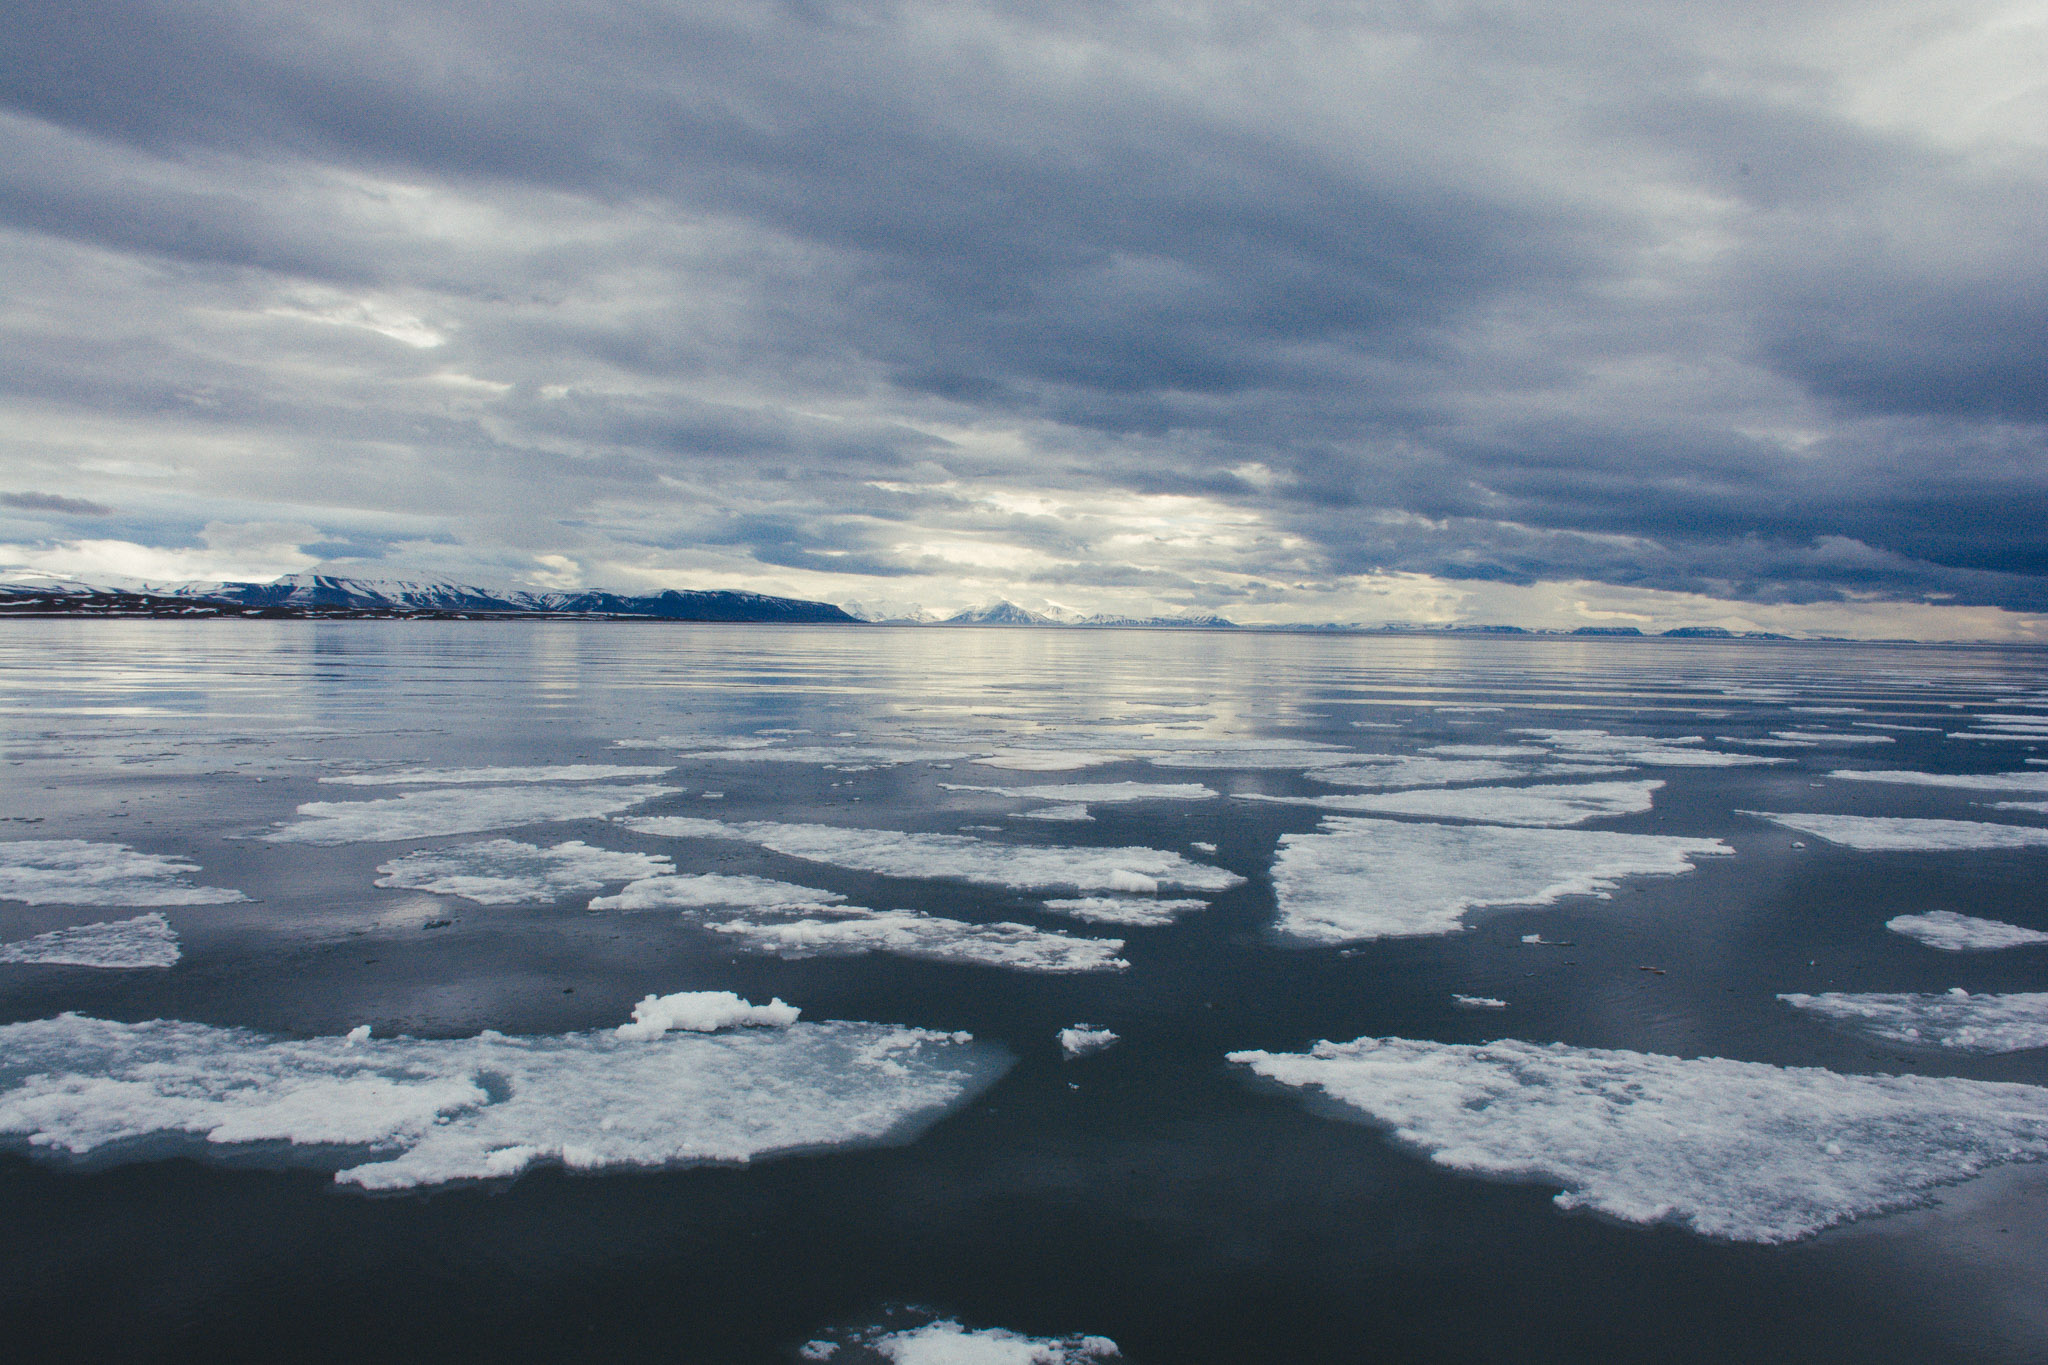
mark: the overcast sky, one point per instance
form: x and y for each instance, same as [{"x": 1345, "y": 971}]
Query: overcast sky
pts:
[{"x": 1647, "y": 313}]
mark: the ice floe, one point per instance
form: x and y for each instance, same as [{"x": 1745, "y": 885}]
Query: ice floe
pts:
[
  {"x": 1957, "y": 1019},
  {"x": 1021, "y": 867},
  {"x": 1974, "y": 782},
  {"x": 1082, "y": 1039},
  {"x": 1066, "y": 814},
  {"x": 704, "y": 890},
  {"x": 401, "y": 1112},
  {"x": 1102, "y": 793},
  {"x": 450, "y": 777},
  {"x": 507, "y": 872},
  {"x": 145, "y": 941},
  {"x": 703, "y": 1012},
  {"x": 909, "y": 933},
  {"x": 455, "y": 810},
  {"x": 1477, "y": 1002},
  {"x": 2036, "y": 807},
  {"x": 1363, "y": 879},
  {"x": 1047, "y": 760},
  {"x": 1550, "y": 806},
  {"x": 1830, "y": 737},
  {"x": 1131, "y": 910},
  {"x": 1411, "y": 771},
  {"x": 946, "y": 1342},
  {"x": 1737, "y": 1150},
  {"x": 1645, "y": 750},
  {"x": 82, "y": 872},
  {"x": 1963, "y": 933},
  {"x": 1487, "y": 751},
  {"x": 1899, "y": 834}
]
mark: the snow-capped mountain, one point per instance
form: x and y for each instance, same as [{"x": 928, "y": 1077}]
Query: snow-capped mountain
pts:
[{"x": 329, "y": 594}]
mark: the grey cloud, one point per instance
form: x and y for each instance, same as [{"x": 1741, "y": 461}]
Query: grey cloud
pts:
[{"x": 52, "y": 502}]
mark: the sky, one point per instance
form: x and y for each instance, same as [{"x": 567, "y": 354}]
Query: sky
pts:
[{"x": 1709, "y": 313}]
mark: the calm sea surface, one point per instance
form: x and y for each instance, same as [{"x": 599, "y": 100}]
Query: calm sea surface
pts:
[{"x": 1153, "y": 1192}]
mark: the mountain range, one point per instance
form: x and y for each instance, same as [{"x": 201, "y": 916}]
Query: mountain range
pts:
[{"x": 330, "y": 596}]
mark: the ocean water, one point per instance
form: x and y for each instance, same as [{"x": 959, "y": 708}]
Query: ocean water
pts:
[{"x": 1018, "y": 995}]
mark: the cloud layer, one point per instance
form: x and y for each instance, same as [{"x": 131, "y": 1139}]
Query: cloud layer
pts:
[{"x": 1427, "y": 310}]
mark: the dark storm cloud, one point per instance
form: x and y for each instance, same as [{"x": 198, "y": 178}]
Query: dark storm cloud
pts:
[
  {"x": 1491, "y": 293},
  {"x": 51, "y": 502}
]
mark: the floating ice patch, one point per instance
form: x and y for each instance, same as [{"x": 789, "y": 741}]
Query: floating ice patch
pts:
[
  {"x": 1410, "y": 771},
  {"x": 80, "y": 872},
  {"x": 1963, "y": 933},
  {"x": 698, "y": 891},
  {"x": 449, "y": 777},
  {"x": 1830, "y": 737},
  {"x": 1105, "y": 792},
  {"x": 1069, "y": 814},
  {"x": 895, "y": 854},
  {"x": 457, "y": 810},
  {"x": 1364, "y": 879},
  {"x": 1898, "y": 834},
  {"x": 507, "y": 872},
  {"x": 1082, "y": 1039},
  {"x": 701, "y": 742},
  {"x": 1738, "y": 1150},
  {"x": 1274, "y": 756},
  {"x": 1047, "y": 760},
  {"x": 1958, "y": 1019},
  {"x": 145, "y": 941},
  {"x": 1645, "y": 750},
  {"x": 908, "y": 933},
  {"x": 2036, "y": 807},
  {"x": 1486, "y": 751},
  {"x": 1477, "y": 1002},
  {"x": 410, "y": 1111},
  {"x": 1131, "y": 910},
  {"x": 704, "y": 1012},
  {"x": 856, "y": 756},
  {"x": 1551, "y": 806},
  {"x": 1974, "y": 782},
  {"x": 946, "y": 1342}
]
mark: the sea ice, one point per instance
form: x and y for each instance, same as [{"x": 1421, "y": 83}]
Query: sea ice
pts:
[
  {"x": 1550, "y": 806},
  {"x": 507, "y": 872},
  {"x": 909, "y": 933},
  {"x": 1364, "y": 879},
  {"x": 946, "y": 1342},
  {"x": 449, "y": 777},
  {"x": 1410, "y": 771},
  {"x": 419, "y": 1111},
  {"x": 1831, "y": 737},
  {"x": 1645, "y": 750},
  {"x": 1131, "y": 910},
  {"x": 1896, "y": 834},
  {"x": 1477, "y": 1002},
  {"x": 1082, "y": 1039},
  {"x": 1963, "y": 933},
  {"x": 1487, "y": 751},
  {"x": 698, "y": 891},
  {"x": 1065, "y": 814},
  {"x": 1738, "y": 1150},
  {"x": 1020, "y": 867},
  {"x": 704, "y": 1012},
  {"x": 1047, "y": 760},
  {"x": 2037, "y": 807},
  {"x": 1975, "y": 782},
  {"x": 1103, "y": 792},
  {"x": 1958, "y": 1019},
  {"x": 80, "y": 872},
  {"x": 455, "y": 810},
  {"x": 145, "y": 941}
]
